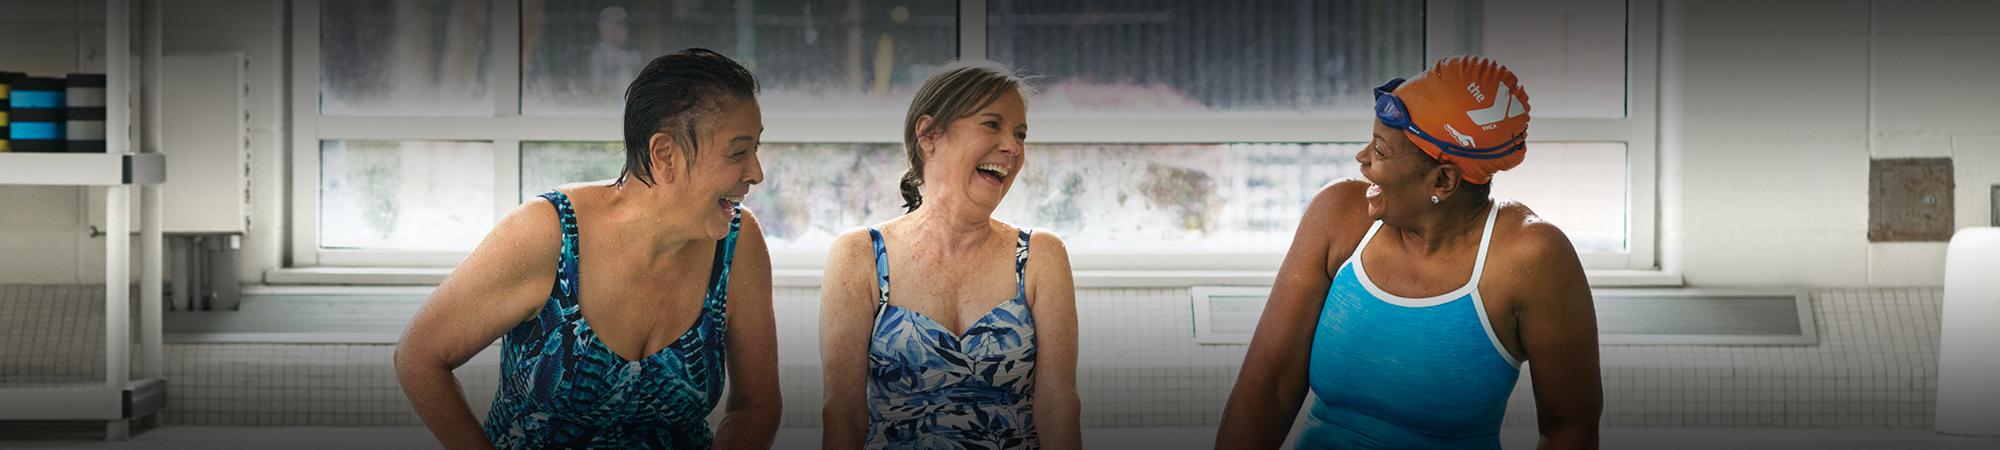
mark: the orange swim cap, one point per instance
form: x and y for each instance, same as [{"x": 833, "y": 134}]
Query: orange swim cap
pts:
[{"x": 1474, "y": 103}]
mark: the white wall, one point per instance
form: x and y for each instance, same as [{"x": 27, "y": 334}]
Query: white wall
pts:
[
  {"x": 44, "y": 235},
  {"x": 1782, "y": 106}
]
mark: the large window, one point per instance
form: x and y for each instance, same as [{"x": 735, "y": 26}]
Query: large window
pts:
[
  {"x": 1162, "y": 127},
  {"x": 406, "y": 58},
  {"x": 1194, "y": 57},
  {"x": 405, "y": 195},
  {"x": 863, "y": 57}
]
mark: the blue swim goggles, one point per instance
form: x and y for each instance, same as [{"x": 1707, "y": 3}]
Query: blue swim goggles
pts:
[{"x": 1390, "y": 110}]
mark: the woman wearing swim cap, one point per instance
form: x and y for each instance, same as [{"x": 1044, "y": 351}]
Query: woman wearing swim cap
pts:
[{"x": 1407, "y": 303}]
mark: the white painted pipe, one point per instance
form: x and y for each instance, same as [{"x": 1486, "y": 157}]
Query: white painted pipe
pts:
[
  {"x": 151, "y": 261},
  {"x": 117, "y": 285},
  {"x": 1968, "y": 385},
  {"x": 118, "y": 198}
]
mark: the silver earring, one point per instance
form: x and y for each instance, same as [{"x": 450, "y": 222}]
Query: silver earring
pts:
[{"x": 1434, "y": 199}]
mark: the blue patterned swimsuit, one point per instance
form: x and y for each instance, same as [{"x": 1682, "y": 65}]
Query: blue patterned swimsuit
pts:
[
  {"x": 560, "y": 387},
  {"x": 929, "y": 389}
]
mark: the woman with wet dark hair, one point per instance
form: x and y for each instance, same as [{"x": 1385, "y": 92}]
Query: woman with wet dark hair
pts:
[{"x": 631, "y": 352}]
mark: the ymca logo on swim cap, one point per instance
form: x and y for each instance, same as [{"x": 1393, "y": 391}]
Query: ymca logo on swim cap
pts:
[
  {"x": 1460, "y": 99},
  {"x": 1488, "y": 116},
  {"x": 1460, "y": 137}
]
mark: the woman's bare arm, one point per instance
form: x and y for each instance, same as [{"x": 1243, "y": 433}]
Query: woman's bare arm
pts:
[
  {"x": 1558, "y": 330},
  {"x": 1272, "y": 384},
  {"x": 750, "y": 417},
  {"x": 503, "y": 282},
  {"x": 846, "y": 320},
  {"x": 1053, "y": 292}
]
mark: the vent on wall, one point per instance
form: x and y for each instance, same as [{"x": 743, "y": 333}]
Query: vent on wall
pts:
[
  {"x": 1227, "y": 315},
  {"x": 1781, "y": 316},
  {"x": 1777, "y": 316}
]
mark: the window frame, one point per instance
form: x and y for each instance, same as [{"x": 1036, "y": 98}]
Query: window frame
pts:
[{"x": 1451, "y": 27}]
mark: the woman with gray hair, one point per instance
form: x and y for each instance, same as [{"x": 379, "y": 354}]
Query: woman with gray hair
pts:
[{"x": 939, "y": 364}]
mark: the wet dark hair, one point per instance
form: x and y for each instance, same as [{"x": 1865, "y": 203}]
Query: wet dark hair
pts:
[
  {"x": 671, "y": 95},
  {"x": 953, "y": 92}
]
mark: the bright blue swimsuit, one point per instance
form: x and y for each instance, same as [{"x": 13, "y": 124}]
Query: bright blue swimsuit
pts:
[
  {"x": 928, "y": 389},
  {"x": 1393, "y": 372},
  {"x": 560, "y": 387}
]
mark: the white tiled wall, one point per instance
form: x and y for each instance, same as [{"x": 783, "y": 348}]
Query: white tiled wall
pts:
[
  {"x": 1875, "y": 367},
  {"x": 47, "y": 335}
]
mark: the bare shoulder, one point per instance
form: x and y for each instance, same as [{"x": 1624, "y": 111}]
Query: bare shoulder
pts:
[
  {"x": 531, "y": 209},
  {"x": 532, "y": 228},
  {"x": 749, "y": 231},
  {"x": 1523, "y": 237},
  {"x": 751, "y": 251},
  {"x": 516, "y": 260},
  {"x": 850, "y": 244},
  {"x": 1539, "y": 264},
  {"x": 1049, "y": 277},
  {"x": 1337, "y": 215},
  {"x": 848, "y": 280},
  {"x": 1341, "y": 197},
  {"x": 748, "y": 218},
  {"x": 1045, "y": 245},
  {"x": 850, "y": 257}
]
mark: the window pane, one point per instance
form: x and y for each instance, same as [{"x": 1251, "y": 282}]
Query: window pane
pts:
[
  {"x": 545, "y": 165},
  {"x": 405, "y": 195},
  {"x": 404, "y": 58},
  {"x": 810, "y": 193},
  {"x": 1241, "y": 197},
  {"x": 1174, "y": 198},
  {"x": 1570, "y": 54},
  {"x": 1122, "y": 197},
  {"x": 814, "y": 57},
  {"x": 1179, "y": 56},
  {"x": 1578, "y": 186}
]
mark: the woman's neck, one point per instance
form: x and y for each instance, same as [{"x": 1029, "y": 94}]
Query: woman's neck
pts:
[
  {"x": 633, "y": 212},
  {"x": 1447, "y": 225},
  {"x": 950, "y": 229}
]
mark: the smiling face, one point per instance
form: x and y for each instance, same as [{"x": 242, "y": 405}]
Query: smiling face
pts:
[
  {"x": 1403, "y": 177},
  {"x": 707, "y": 191},
  {"x": 974, "y": 160}
]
